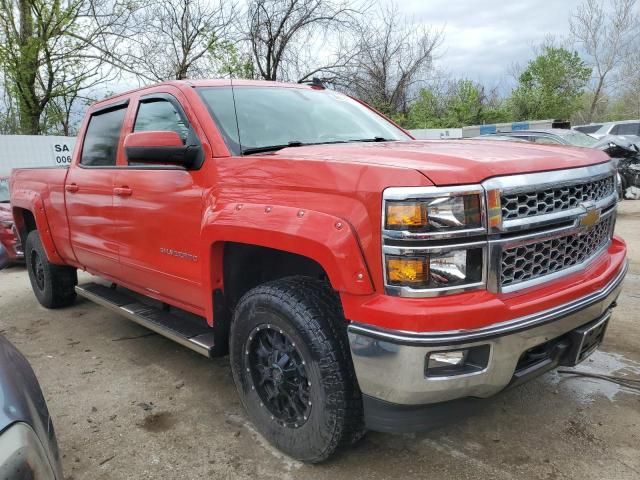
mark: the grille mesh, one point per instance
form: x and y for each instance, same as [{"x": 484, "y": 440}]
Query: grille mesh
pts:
[
  {"x": 538, "y": 259},
  {"x": 554, "y": 199}
]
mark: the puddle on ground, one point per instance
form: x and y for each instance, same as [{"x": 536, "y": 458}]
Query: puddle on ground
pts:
[
  {"x": 158, "y": 422},
  {"x": 585, "y": 389}
]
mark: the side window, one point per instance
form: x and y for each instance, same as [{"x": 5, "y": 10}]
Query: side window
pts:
[
  {"x": 100, "y": 146},
  {"x": 626, "y": 129},
  {"x": 160, "y": 115}
]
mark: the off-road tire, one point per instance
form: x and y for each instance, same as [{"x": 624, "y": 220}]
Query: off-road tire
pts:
[
  {"x": 309, "y": 313},
  {"x": 53, "y": 285}
]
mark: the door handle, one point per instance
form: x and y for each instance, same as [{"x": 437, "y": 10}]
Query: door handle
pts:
[
  {"x": 122, "y": 191},
  {"x": 71, "y": 188}
]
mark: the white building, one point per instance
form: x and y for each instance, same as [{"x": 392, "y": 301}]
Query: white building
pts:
[{"x": 436, "y": 133}]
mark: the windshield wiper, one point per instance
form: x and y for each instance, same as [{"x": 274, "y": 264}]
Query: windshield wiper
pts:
[
  {"x": 374, "y": 139},
  {"x": 271, "y": 148},
  {"x": 297, "y": 143}
]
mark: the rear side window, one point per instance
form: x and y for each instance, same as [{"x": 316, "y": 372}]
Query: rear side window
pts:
[
  {"x": 160, "y": 115},
  {"x": 588, "y": 128},
  {"x": 626, "y": 129},
  {"x": 100, "y": 147}
]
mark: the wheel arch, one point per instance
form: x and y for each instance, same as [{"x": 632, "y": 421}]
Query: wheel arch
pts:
[
  {"x": 308, "y": 242},
  {"x": 33, "y": 217}
]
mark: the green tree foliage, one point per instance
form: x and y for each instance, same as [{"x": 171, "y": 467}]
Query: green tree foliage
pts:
[
  {"x": 37, "y": 55},
  {"x": 462, "y": 103},
  {"x": 551, "y": 86}
]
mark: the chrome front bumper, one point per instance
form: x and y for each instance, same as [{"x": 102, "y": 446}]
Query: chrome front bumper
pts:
[{"x": 390, "y": 365}]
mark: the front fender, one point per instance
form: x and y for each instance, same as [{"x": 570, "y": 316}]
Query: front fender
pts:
[{"x": 328, "y": 240}]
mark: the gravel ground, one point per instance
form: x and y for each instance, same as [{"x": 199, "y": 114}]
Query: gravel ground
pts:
[{"x": 128, "y": 404}]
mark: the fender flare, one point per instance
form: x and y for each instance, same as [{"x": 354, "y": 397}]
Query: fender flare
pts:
[
  {"x": 328, "y": 240},
  {"x": 32, "y": 202}
]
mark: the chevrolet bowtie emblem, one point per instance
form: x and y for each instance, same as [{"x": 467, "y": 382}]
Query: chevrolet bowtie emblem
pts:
[{"x": 591, "y": 217}]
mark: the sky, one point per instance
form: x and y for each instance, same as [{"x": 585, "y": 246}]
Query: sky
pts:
[{"x": 484, "y": 38}]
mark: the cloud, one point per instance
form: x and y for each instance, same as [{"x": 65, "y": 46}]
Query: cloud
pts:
[{"x": 483, "y": 39}]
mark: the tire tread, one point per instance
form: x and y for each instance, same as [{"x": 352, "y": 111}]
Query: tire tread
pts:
[{"x": 315, "y": 302}]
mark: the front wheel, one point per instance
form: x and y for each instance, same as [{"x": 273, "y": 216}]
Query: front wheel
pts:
[
  {"x": 53, "y": 285},
  {"x": 292, "y": 368}
]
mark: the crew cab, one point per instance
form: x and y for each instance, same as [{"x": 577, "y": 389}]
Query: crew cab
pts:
[{"x": 358, "y": 278}]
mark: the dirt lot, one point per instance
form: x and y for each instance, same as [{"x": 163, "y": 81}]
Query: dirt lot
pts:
[{"x": 131, "y": 405}]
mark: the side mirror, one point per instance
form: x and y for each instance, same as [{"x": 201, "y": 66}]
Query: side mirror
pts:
[
  {"x": 160, "y": 147},
  {"x": 4, "y": 257}
]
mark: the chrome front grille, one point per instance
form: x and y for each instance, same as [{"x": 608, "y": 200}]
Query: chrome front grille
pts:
[
  {"x": 545, "y": 225},
  {"x": 530, "y": 203},
  {"x": 540, "y": 258}
]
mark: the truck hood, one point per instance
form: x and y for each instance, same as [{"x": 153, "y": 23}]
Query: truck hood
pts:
[{"x": 447, "y": 162}]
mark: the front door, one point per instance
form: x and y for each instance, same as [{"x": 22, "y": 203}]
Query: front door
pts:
[
  {"x": 158, "y": 215},
  {"x": 89, "y": 194}
]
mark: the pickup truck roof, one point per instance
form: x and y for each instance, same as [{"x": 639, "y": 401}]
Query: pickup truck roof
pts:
[{"x": 224, "y": 82}]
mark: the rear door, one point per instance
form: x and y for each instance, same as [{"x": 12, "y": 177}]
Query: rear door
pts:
[
  {"x": 159, "y": 215},
  {"x": 89, "y": 193}
]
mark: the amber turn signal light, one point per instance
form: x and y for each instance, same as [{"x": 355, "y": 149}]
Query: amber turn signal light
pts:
[
  {"x": 407, "y": 270},
  {"x": 406, "y": 215}
]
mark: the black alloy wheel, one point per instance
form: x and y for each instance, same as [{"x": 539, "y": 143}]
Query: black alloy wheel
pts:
[
  {"x": 38, "y": 269},
  {"x": 279, "y": 375}
]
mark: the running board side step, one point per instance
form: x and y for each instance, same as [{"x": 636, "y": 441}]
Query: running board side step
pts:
[{"x": 192, "y": 334}]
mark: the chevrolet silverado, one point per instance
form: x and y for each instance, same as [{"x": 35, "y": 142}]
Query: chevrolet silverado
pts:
[{"x": 358, "y": 278}]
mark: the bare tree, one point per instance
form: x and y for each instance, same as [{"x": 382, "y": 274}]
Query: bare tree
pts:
[
  {"x": 394, "y": 59},
  {"x": 279, "y": 30},
  {"x": 629, "y": 91},
  {"x": 607, "y": 36},
  {"x": 180, "y": 39}
]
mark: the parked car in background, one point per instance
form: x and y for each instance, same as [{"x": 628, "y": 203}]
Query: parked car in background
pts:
[
  {"x": 622, "y": 128},
  {"x": 28, "y": 446},
  {"x": 550, "y": 136},
  {"x": 626, "y": 155},
  {"x": 8, "y": 233}
]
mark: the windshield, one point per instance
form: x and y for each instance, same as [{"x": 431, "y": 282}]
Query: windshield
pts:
[
  {"x": 272, "y": 117},
  {"x": 4, "y": 190},
  {"x": 580, "y": 139}
]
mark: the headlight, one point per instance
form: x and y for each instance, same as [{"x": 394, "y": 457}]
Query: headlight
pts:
[
  {"x": 454, "y": 268},
  {"x": 434, "y": 240},
  {"x": 436, "y": 214}
]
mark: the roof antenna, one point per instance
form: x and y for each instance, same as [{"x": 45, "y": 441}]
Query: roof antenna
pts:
[{"x": 235, "y": 110}]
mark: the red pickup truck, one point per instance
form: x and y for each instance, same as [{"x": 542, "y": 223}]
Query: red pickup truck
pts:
[{"x": 359, "y": 278}]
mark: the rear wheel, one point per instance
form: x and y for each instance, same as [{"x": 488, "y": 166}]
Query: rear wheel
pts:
[
  {"x": 292, "y": 368},
  {"x": 53, "y": 285}
]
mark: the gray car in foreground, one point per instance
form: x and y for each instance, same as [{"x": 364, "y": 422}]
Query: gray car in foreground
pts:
[{"x": 28, "y": 447}]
